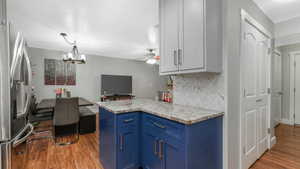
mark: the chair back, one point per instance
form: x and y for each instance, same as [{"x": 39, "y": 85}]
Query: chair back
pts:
[{"x": 66, "y": 111}]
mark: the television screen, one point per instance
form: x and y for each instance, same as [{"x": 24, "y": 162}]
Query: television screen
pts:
[{"x": 116, "y": 85}]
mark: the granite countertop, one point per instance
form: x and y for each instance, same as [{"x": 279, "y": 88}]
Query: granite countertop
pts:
[{"x": 183, "y": 114}]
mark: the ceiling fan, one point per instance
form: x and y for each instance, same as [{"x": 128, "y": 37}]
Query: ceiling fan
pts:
[
  {"x": 152, "y": 53},
  {"x": 151, "y": 57}
]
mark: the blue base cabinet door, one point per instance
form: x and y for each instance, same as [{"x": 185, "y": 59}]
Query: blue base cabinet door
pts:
[
  {"x": 150, "y": 154},
  {"x": 128, "y": 141},
  {"x": 173, "y": 154}
]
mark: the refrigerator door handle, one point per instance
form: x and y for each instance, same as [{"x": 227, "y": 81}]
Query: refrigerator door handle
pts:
[
  {"x": 16, "y": 57},
  {"x": 29, "y": 90},
  {"x": 19, "y": 139}
]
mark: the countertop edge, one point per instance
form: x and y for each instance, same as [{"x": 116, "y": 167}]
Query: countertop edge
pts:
[{"x": 189, "y": 122}]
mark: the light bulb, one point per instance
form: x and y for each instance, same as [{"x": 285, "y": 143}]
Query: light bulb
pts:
[
  {"x": 70, "y": 56},
  {"x": 83, "y": 57},
  {"x": 151, "y": 61}
]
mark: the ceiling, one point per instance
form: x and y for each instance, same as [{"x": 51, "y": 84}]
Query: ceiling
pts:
[
  {"x": 114, "y": 28},
  {"x": 280, "y": 10}
]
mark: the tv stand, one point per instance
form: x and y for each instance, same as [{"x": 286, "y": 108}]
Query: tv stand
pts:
[{"x": 116, "y": 97}]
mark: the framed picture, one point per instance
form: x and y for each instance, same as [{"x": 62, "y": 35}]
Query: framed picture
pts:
[{"x": 58, "y": 72}]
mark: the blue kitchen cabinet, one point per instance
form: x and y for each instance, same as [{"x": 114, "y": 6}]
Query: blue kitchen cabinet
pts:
[
  {"x": 161, "y": 148},
  {"x": 137, "y": 139},
  {"x": 119, "y": 140},
  {"x": 150, "y": 152},
  {"x": 107, "y": 137},
  {"x": 128, "y": 141}
]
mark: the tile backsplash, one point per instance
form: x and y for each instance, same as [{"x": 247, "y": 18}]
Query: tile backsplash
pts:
[{"x": 202, "y": 90}]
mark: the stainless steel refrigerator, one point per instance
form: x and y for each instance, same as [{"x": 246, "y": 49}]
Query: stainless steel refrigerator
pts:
[{"x": 15, "y": 95}]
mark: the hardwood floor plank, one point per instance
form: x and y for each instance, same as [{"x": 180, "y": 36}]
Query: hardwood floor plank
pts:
[
  {"x": 285, "y": 154},
  {"x": 45, "y": 154}
]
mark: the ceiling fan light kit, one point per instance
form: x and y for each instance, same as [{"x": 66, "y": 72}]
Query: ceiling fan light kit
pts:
[{"x": 151, "y": 57}]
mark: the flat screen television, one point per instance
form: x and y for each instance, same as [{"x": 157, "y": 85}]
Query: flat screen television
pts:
[{"x": 116, "y": 85}]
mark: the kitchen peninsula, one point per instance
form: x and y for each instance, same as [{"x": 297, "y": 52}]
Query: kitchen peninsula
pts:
[{"x": 147, "y": 134}]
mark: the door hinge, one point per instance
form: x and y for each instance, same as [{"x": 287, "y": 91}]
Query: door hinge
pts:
[
  {"x": 244, "y": 92},
  {"x": 269, "y": 50},
  {"x": 269, "y": 131},
  {"x": 3, "y": 22},
  {"x": 269, "y": 90},
  {"x": 294, "y": 90}
]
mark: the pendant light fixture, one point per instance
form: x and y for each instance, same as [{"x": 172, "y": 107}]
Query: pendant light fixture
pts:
[{"x": 73, "y": 56}]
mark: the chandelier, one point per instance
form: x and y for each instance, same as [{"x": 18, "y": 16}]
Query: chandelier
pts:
[{"x": 73, "y": 56}]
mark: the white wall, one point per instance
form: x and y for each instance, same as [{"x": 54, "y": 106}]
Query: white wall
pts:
[
  {"x": 287, "y": 32},
  {"x": 232, "y": 68},
  {"x": 285, "y": 50},
  {"x": 146, "y": 79}
]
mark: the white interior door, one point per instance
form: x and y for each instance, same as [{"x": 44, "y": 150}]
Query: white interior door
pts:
[
  {"x": 262, "y": 100},
  {"x": 276, "y": 83},
  {"x": 297, "y": 87},
  {"x": 255, "y": 101}
]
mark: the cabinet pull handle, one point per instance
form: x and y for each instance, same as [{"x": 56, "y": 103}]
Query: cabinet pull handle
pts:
[
  {"x": 180, "y": 57},
  {"x": 161, "y": 150},
  {"x": 175, "y": 55},
  {"x": 159, "y": 125},
  {"x": 155, "y": 148},
  {"x": 121, "y": 143},
  {"x": 259, "y": 100},
  {"x": 128, "y": 120}
]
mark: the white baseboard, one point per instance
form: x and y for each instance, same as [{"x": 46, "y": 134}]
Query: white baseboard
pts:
[
  {"x": 286, "y": 121},
  {"x": 273, "y": 141}
]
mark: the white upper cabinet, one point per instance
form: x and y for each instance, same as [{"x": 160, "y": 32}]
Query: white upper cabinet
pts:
[{"x": 190, "y": 36}]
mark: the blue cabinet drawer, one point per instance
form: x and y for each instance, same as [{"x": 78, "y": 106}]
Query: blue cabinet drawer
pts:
[
  {"x": 163, "y": 127},
  {"x": 128, "y": 119}
]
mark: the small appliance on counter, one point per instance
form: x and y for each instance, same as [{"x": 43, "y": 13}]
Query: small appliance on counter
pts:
[{"x": 165, "y": 96}]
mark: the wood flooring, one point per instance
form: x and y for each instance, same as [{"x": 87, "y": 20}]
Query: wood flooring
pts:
[
  {"x": 44, "y": 154},
  {"x": 285, "y": 154}
]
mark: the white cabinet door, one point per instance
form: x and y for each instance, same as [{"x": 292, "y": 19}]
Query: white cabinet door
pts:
[
  {"x": 192, "y": 35},
  {"x": 169, "y": 24}
]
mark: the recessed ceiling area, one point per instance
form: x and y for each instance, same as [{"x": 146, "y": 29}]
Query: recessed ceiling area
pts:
[
  {"x": 280, "y": 10},
  {"x": 115, "y": 28}
]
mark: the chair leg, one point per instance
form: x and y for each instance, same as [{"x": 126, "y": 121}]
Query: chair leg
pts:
[{"x": 71, "y": 142}]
